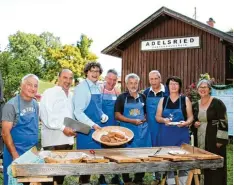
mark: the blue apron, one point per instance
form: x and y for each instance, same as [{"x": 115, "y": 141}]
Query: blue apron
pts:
[
  {"x": 108, "y": 104},
  {"x": 141, "y": 132},
  {"x": 173, "y": 135},
  {"x": 154, "y": 126},
  {"x": 24, "y": 135},
  {"x": 94, "y": 112}
]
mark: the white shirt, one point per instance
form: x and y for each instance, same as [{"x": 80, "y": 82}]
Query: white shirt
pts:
[
  {"x": 81, "y": 100},
  {"x": 162, "y": 88},
  {"x": 54, "y": 107}
]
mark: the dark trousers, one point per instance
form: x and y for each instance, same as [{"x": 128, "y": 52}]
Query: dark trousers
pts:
[
  {"x": 59, "y": 179},
  {"x": 138, "y": 177},
  {"x": 59, "y": 147}
]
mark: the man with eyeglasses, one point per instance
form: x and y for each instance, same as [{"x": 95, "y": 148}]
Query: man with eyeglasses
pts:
[
  {"x": 20, "y": 122},
  {"x": 87, "y": 103}
]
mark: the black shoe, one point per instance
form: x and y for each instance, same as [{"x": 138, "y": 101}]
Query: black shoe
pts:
[
  {"x": 138, "y": 181},
  {"x": 102, "y": 180},
  {"x": 116, "y": 180}
]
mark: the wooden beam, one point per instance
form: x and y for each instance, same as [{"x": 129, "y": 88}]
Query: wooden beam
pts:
[
  {"x": 46, "y": 169},
  {"x": 35, "y": 179},
  {"x": 110, "y": 168}
]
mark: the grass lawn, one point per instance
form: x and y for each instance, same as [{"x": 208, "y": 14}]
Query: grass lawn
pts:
[
  {"x": 230, "y": 164},
  {"x": 44, "y": 85}
]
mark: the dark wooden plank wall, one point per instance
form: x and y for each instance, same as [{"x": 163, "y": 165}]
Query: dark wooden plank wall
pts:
[{"x": 185, "y": 63}]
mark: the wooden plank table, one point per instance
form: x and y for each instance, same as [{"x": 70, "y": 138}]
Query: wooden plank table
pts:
[{"x": 50, "y": 170}]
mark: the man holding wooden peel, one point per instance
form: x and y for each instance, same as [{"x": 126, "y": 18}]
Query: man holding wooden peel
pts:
[{"x": 56, "y": 104}]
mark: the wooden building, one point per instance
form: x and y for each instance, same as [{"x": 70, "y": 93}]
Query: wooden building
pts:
[{"x": 177, "y": 45}]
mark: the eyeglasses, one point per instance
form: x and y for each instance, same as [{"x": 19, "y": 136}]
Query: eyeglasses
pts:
[
  {"x": 174, "y": 84},
  {"x": 95, "y": 71}
]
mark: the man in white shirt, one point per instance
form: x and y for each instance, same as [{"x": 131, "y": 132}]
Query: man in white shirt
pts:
[{"x": 56, "y": 104}]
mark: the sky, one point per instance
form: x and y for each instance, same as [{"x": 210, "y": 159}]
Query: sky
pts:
[{"x": 102, "y": 20}]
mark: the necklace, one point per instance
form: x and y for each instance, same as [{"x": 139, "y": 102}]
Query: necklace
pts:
[{"x": 205, "y": 102}]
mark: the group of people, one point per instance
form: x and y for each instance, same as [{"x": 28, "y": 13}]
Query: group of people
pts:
[{"x": 147, "y": 114}]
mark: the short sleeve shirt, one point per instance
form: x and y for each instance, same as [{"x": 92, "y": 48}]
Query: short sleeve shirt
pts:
[
  {"x": 119, "y": 104},
  {"x": 11, "y": 112}
]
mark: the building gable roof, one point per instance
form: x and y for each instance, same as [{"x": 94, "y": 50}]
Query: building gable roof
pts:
[{"x": 113, "y": 49}]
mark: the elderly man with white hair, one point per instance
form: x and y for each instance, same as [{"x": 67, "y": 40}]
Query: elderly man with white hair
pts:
[
  {"x": 153, "y": 94},
  {"x": 20, "y": 122},
  {"x": 130, "y": 110}
]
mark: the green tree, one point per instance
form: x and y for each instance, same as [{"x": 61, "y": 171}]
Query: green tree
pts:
[
  {"x": 28, "y": 48},
  {"x": 12, "y": 71},
  {"x": 67, "y": 57},
  {"x": 71, "y": 57},
  {"x": 84, "y": 45},
  {"x": 43, "y": 55},
  {"x": 51, "y": 41}
]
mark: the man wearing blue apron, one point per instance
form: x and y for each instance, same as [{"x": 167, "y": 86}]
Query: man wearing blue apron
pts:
[
  {"x": 20, "y": 122},
  {"x": 130, "y": 110},
  {"x": 109, "y": 96},
  {"x": 87, "y": 101},
  {"x": 153, "y": 94}
]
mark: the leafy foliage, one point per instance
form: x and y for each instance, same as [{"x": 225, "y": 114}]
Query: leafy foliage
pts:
[
  {"x": 50, "y": 40},
  {"x": 42, "y": 55},
  {"x": 12, "y": 71},
  {"x": 70, "y": 57},
  {"x": 67, "y": 57},
  {"x": 28, "y": 48},
  {"x": 84, "y": 46}
]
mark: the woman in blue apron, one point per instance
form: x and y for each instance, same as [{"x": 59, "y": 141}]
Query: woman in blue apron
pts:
[
  {"x": 178, "y": 135},
  {"x": 174, "y": 108},
  {"x": 24, "y": 135},
  {"x": 94, "y": 112}
]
